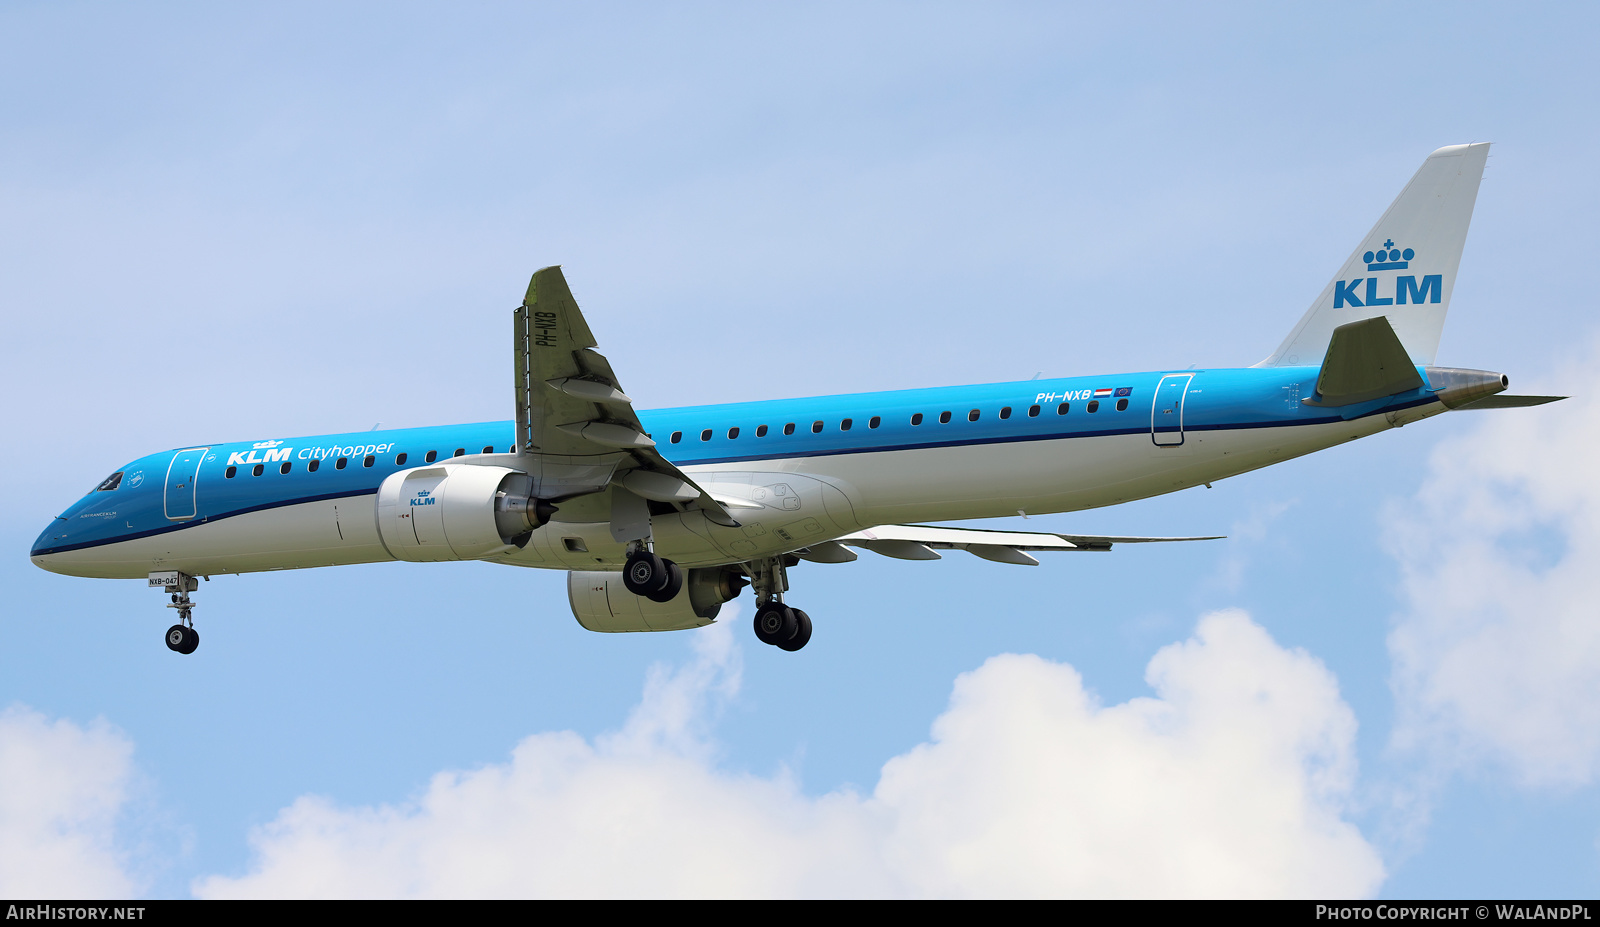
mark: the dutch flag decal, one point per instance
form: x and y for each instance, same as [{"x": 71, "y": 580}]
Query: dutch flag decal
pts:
[{"x": 1101, "y": 393}]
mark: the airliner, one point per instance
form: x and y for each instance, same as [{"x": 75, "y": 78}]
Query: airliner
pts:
[{"x": 661, "y": 517}]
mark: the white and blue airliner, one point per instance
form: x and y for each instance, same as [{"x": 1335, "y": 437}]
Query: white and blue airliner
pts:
[{"x": 660, "y": 517}]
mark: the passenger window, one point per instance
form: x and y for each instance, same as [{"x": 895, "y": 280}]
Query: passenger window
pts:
[
  {"x": 400, "y": 460},
  {"x": 313, "y": 465},
  {"x": 489, "y": 449},
  {"x": 789, "y": 428},
  {"x": 733, "y": 433},
  {"x": 461, "y": 452},
  {"x": 1005, "y": 412},
  {"x": 816, "y": 428},
  {"x": 845, "y": 425},
  {"x": 339, "y": 464},
  {"x": 1094, "y": 405},
  {"x": 916, "y": 419},
  {"x": 258, "y": 469},
  {"x": 972, "y": 416},
  {"x": 1064, "y": 408},
  {"x": 761, "y": 431},
  {"x": 431, "y": 457},
  {"x": 705, "y": 435},
  {"x": 677, "y": 436},
  {"x": 285, "y": 467},
  {"x": 228, "y": 474},
  {"x": 1122, "y": 405},
  {"x": 944, "y": 418},
  {"x": 875, "y": 421},
  {"x": 368, "y": 460},
  {"x": 112, "y": 482},
  {"x": 1033, "y": 411}
]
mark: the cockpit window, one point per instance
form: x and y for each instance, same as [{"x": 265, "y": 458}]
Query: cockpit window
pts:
[{"x": 112, "y": 482}]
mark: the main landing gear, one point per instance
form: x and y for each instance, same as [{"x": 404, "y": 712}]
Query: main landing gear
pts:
[
  {"x": 181, "y": 637},
  {"x": 650, "y": 576},
  {"x": 776, "y": 623},
  {"x": 646, "y": 574}
]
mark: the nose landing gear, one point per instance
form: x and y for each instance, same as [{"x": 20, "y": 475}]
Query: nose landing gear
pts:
[{"x": 181, "y": 637}]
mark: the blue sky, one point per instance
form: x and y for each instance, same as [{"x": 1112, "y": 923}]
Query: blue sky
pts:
[{"x": 225, "y": 223}]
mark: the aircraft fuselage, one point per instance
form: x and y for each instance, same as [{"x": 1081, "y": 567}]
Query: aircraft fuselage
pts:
[{"x": 792, "y": 472}]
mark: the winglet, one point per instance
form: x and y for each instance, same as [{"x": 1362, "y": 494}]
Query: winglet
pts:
[{"x": 548, "y": 292}]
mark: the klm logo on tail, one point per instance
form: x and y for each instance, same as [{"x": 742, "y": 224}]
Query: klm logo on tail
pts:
[{"x": 1406, "y": 290}]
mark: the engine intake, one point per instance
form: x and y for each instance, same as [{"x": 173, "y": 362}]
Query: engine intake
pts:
[
  {"x": 457, "y": 512},
  {"x": 600, "y": 602}
]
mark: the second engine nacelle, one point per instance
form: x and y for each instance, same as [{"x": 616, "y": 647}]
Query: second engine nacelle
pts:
[
  {"x": 457, "y": 512},
  {"x": 601, "y": 602}
]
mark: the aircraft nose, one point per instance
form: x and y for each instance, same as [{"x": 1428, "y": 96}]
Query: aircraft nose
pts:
[{"x": 49, "y": 538}]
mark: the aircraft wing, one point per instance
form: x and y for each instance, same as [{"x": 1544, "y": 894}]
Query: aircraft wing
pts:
[
  {"x": 577, "y": 431},
  {"x": 922, "y": 542}
]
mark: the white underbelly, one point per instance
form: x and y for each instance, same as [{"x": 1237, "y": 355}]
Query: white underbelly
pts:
[{"x": 1060, "y": 475}]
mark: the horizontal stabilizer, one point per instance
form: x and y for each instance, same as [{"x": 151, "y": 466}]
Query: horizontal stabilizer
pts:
[
  {"x": 1503, "y": 401},
  {"x": 1365, "y": 361}
]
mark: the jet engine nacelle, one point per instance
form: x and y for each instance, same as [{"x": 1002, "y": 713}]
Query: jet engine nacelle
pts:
[
  {"x": 457, "y": 512},
  {"x": 601, "y": 602}
]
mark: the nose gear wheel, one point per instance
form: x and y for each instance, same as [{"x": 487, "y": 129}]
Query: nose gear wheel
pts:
[{"x": 182, "y": 639}]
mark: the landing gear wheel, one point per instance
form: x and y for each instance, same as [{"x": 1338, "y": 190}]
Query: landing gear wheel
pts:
[
  {"x": 674, "y": 584},
  {"x": 801, "y": 636},
  {"x": 182, "y": 639},
  {"x": 776, "y": 623},
  {"x": 646, "y": 574}
]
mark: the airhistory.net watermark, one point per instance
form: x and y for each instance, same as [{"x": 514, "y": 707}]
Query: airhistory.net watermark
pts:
[{"x": 50, "y": 912}]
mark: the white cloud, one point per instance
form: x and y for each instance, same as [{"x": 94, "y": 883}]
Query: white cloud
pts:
[
  {"x": 1230, "y": 782},
  {"x": 62, "y": 788},
  {"x": 1497, "y": 656}
]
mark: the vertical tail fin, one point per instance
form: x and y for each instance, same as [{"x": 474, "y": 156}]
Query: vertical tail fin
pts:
[{"x": 1404, "y": 269}]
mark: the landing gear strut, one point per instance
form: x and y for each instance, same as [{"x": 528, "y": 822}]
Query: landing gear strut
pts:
[
  {"x": 181, "y": 637},
  {"x": 776, "y": 623}
]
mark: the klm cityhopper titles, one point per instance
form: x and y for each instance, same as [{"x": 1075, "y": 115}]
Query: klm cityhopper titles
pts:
[{"x": 660, "y": 517}]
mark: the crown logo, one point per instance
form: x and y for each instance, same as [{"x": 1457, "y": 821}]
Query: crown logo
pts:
[
  {"x": 1388, "y": 257},
  {"x": 261, "y": 445},
  {"x": 423, "y": 494}
]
